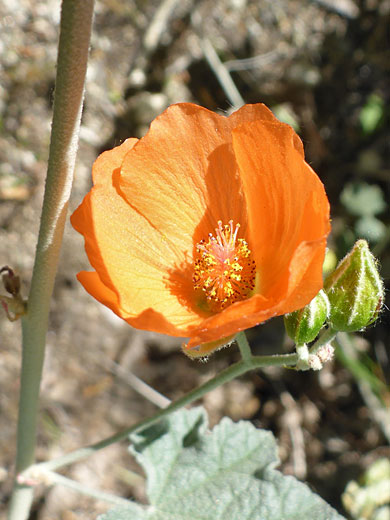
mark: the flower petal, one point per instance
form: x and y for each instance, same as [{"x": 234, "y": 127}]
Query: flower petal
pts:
[
  {"x": 286, "y": 201},
  {"x": 179, "y": 180},
  {"x": 288, "y": 225},
  {"x": 147, "y": 320},
  {"x": 83, "y": 219},
  {"x": 179, "y": 174},
  {"x": 96, "y": 288},
  {"x": 130, "y": 258},
  {"x": 204, "y": 349},
  {"x": 182, "y": 176},
  {"x": 248, "y": 113},
  {"x": 153, "y": 200}
]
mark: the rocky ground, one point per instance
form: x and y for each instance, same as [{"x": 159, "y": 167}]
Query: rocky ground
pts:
[{"x": 322, "y": 66}]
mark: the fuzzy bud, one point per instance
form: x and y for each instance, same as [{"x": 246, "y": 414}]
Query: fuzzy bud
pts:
[
  {"x": 355, "y": 290},
  {"x": 304, "y": 325}
]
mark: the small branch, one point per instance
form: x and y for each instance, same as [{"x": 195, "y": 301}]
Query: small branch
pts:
[
  {"x": 50, "y": 477},
  {"x": 221, "y": 73},
  {"x": 236, "y": 370},
  {"x": 325, "y": 337},
  {"x": 158, "y": 25},
  {"x": 223, "y": 377},
  {"x": 138, "y": 385},
  {"x": 346, "y": 10},
  {"x": 255, "y": 62},
  {"x": 228, "y": 374}
]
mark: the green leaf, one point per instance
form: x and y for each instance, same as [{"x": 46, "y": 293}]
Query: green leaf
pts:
[
  {"x": 361, "y": 198},
  {"x": 372, "y": 114},
  {"x": 225, "y": 474}
]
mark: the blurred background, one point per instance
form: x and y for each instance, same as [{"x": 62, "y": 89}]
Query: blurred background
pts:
[{"x": 321, "y": 66}]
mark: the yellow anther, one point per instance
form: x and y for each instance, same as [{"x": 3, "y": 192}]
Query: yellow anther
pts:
[{"x": 224, "y": 269}]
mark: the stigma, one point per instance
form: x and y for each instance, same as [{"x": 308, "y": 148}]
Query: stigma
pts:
[{"x": 224, "y": 269}]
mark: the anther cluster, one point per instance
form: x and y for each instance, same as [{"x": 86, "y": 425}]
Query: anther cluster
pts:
[{"x": 224, "y": 269}]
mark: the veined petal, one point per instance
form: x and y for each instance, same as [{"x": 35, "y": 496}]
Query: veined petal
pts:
[
  {"x": 179, "y": 174},
  {"x": 285, "y": 199},
  {"x": 92, "y": 283},
  {"x": 148, "y": 319},
  {"x": 131, "y": 259},
  {"x": 288, "y": 215},
  {"x": 83, "y": 218},
  {"x": 182, "y": 176}
]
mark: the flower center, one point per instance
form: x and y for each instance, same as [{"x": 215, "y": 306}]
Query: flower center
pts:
[{"x": 224, "y": 269}]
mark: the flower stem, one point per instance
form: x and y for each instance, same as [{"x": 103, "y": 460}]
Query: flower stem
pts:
[
  {"x": 326, "y": 337},
  {"x": 244, "y": 347},
  {"x": 75, "y": 31},
  {"x": 55, "y": 478},
  {"x": 223, "y": 377},
  {"x": 303, "y": 357}
]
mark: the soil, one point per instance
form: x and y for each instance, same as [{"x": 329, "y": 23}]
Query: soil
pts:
[{"x": 318, "y": 61}]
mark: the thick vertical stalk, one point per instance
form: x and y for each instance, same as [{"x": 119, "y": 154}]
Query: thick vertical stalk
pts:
[{"x": 75, "y": 32}]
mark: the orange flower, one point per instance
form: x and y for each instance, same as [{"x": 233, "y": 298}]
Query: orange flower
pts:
[{"x": 206, "y": 226}]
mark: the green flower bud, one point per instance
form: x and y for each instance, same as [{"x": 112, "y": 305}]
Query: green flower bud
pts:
[
  {"x": 304, "y": 325},
  {"x": 355, "y": 290}
]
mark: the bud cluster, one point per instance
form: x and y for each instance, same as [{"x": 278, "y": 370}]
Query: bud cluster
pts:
[
  {"x": 355, "y": 290},
  {"x": 304, "y": 325},
  {"x": 351, "y": 300}
]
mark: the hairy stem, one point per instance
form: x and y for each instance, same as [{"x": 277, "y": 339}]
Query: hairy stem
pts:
[
  {"x": 223, "y": 377},
  {"x": 75, "y": 31},
  {"x": 55, "y": 478},
  {"x": 325, "y": 337},
  {"x": 248, "y": 363},
  {"x": 244, "y": 347}
]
